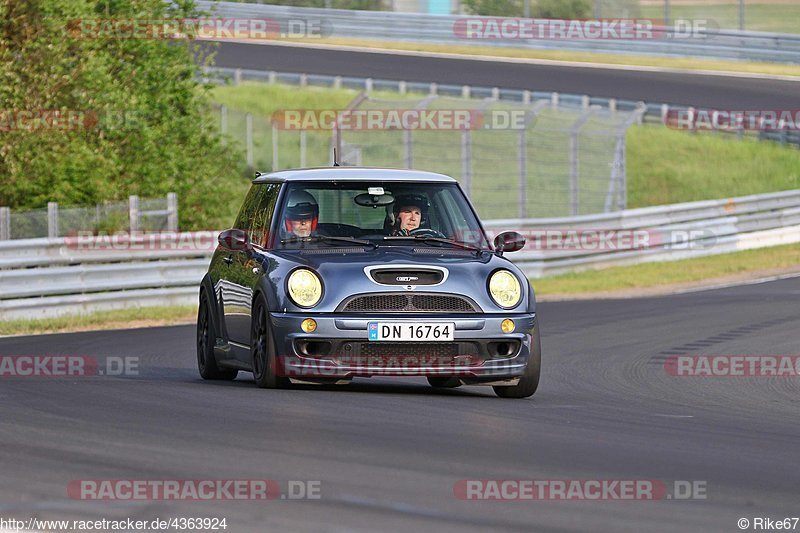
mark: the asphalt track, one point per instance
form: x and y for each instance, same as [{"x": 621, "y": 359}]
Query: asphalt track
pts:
[
  {"x": 710, "y": 91},
  {"x": 388, "y": 452}
]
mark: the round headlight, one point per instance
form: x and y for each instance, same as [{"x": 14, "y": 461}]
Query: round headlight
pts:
[
  {"x": 505, "y": 289},
  {"x": 305, "y": 288}
]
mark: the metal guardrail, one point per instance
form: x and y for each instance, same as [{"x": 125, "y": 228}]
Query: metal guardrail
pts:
[
  {"x": 51, "y": 277},
  {"x": 439, "y": 29}
]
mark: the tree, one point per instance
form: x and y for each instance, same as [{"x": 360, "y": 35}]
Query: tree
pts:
[{"x": 142, "y": 122}]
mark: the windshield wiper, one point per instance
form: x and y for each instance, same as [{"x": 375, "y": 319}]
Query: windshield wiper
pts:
[
  {"x": 329, "y": 238},
  {"x": 439, "y": 240}
]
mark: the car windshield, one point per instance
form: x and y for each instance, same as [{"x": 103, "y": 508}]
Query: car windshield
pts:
[{"x": 378, "y": 213}]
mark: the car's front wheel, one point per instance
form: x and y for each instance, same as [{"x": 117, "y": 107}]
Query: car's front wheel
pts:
[
  {"x": 206, "y": 336},
  {"x": 262, "y": 349},
  {"x": 529, "y": 381}
]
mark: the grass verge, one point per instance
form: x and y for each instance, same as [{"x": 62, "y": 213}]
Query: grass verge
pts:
[
  {"x": 712, "y": 270},
  {"x": 141, "y": 317}
]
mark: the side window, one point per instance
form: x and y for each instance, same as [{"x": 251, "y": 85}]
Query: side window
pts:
[{"x": 256, "y": 214}]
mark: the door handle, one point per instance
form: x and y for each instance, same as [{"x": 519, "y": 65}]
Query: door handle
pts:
[{"x": 228, "y": 260}]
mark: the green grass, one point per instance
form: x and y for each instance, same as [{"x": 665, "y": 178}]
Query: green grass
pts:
[
  {"x": 123, "y": 318},
  {"x": 778, "y": 17},
  {"x": 668, "y": 166},
  {"x": 703, "y": 269}
]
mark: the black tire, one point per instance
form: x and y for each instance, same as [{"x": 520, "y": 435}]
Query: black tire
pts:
[
  {"x": 529, "y": 381},
  {"x": 444, "y": 382},
  {"x": 206, "y": 337},
  {"x": 262, "y": 349}
]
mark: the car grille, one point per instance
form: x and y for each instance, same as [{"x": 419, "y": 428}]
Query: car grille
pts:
[
  {"x": 396, "y": 303},
  {"x": 408, "y": 349}
]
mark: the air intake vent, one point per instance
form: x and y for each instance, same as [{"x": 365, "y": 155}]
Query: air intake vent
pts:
[
  {"x": 401, "y": 276},
  {"x": 408, "y": 303}
]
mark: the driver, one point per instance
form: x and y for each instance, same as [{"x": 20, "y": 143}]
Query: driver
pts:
[
  {"x": 408, "y": 211},
  {"x": 301, "y": 214}
]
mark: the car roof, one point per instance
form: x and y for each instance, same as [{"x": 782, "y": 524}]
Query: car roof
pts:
[{"x": 354, "y": 174}]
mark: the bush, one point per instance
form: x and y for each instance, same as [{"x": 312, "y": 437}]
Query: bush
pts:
[
  {"x": 561, "y": 9},
  {"x": 145, "y": 129}
]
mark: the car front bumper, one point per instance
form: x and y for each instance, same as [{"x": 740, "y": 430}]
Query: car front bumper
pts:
[{"x": 339, "y": 348}]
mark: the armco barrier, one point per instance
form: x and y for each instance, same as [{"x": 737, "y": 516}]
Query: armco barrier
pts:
[
  {"x": 439, "y": 29},
  {"x": 50, "y": 277}
]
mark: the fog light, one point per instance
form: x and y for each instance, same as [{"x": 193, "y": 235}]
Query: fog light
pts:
[
  {"x": 507, "y": 325},
  {"x": 309, "y": 325}
]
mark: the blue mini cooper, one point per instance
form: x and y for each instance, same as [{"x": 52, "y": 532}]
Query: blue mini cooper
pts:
[{"x": 334, "y": 273}]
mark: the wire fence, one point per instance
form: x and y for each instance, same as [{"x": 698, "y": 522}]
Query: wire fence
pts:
[
  {"x": 146, "y": 214},
  {"x": 553, "y": 157}
]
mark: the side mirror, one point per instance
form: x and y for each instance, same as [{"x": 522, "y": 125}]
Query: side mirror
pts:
[
  {"x": 509, "y": 241},
  {"x": 235, "y": 240}
]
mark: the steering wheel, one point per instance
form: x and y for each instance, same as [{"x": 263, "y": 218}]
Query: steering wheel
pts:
[{"x": 426, "y": 232}]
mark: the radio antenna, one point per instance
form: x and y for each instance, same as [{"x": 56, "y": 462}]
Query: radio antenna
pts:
[{"x": 335, "y": 159}]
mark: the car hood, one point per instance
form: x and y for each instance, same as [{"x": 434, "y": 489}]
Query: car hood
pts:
[{"x": 344, "y": 273}]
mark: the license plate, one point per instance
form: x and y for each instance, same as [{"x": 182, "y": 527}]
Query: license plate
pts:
[{"x": 411, "y": 331}]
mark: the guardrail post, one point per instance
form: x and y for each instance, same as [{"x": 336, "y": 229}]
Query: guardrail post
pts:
[
  {"x": 172, "y": 211},
  {"x": 237, "y": 76},
  {"x": 554, "y": 100},
  {"x": 52, "y": 219},
  {"x": 303, "y": 80},
  {"x": 466, "y": 161},
  {"x": 522, "y": 156},
  {"x": 409, "y": 160},
  {"x": 5, "y": 223},
  {"x": 585, "y": 102},
  {"x": 248, "y": 134},
  {"x": 495, "y": 93},
  {"x": 574, "y": 161},
  {"x": 526, "y": 97},
  {"x": 465, "y": 91},
  {"x": 133, "y": 213},
  {"x": 664, "y": 113},
  {"x": 368, "y": 85},
  {"x": 302, "y": 148},
  {"x": 401, "y": 87},
  {"x": 434, "y": 90},
  {"x": 272, "y": 77},
  {"x": 275, "y": 153},
  {"x": 337, "y": 82},
  {"x": 612, "y": 105}
]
